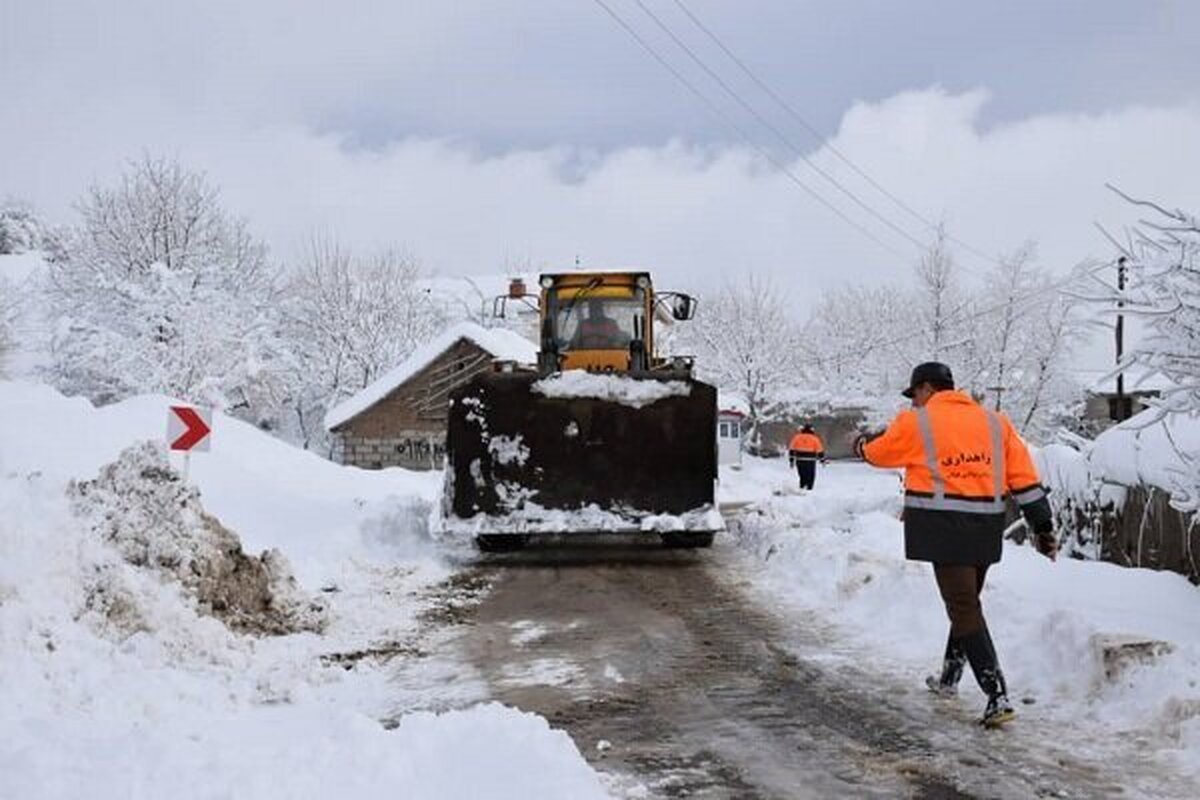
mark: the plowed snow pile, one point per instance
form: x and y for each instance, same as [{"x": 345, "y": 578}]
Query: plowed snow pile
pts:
[
  {"x": 143, "y": 509},
  {"x": 145, "y": 653}
]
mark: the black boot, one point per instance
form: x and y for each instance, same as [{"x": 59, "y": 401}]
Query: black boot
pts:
[
  {"x": 953, "y": 661},
  {"x": 982, "y": 655}
]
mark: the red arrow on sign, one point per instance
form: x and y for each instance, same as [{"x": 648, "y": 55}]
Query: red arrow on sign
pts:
[{"x": 195, "y": 428}]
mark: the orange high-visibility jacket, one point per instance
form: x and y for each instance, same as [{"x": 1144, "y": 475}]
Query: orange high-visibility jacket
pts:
[
  {"x": 806, "y": 446},
  {"x": 961, "y": 461}
]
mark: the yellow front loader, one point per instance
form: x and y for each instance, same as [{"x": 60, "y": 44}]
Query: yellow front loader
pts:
[{"x": 601, "y": 435}]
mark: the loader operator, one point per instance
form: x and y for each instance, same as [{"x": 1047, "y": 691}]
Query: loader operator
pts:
[
  {"x": 598, "y": 331},
  {"x": 961, "y": 461},
  {"x": 805, "y": 449}
]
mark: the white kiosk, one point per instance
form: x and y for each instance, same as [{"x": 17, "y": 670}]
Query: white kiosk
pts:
[{"x": 729, "y": 436}]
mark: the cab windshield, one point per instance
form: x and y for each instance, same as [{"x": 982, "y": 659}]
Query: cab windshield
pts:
[{"x": 598, "y": 323}]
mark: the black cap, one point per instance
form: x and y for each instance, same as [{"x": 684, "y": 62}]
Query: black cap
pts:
[{"x": 933, "y": 372}]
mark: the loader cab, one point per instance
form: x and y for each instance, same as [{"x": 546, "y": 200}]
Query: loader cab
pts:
[{"x": 600, "y": 321}]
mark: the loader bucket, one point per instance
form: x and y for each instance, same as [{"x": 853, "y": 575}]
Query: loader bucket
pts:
[{"x": 523, "y": 457}]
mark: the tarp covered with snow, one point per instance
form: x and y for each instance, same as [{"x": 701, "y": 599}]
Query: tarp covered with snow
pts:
[
  {"x": 1145, "y": 449},
  {"x": 503, "y": 344}
]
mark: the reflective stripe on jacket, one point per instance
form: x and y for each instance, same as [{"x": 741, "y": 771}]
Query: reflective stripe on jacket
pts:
[
  {"x": 806, "y": 446},
  {"x": 961, "y": 461}
]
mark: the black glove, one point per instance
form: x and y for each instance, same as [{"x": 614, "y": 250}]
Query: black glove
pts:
[
  {"x": 860, "y": 441},
  {"x": 1046, "y": 542}
]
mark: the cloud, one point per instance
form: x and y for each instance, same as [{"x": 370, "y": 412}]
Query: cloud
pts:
[{"x": 696, "y": 214}]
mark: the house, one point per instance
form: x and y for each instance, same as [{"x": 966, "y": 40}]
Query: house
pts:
[
  {"x": 1106, "y": 406},
  {"x": 400, "y": 419}
]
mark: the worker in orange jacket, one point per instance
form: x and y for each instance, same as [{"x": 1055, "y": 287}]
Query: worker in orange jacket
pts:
[
  {"x": 804, "y": 451},
  {"x": 962, "y": 462}
]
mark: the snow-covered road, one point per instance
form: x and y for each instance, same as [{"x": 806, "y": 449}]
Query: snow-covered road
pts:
[{"x": 675, "y": 676}]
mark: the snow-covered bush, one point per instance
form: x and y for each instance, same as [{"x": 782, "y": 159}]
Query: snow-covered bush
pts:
[
  {"x": 164, "y": 291},
  {"x": 22, "y": 230},
  {"x": 349, "y": 319}
]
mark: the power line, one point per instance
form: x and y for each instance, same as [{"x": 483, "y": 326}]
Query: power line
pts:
[
  {"x": 737, "y": 129},
  {"x": 816, "y": 134},
  {"x": 766, "y": 123}
]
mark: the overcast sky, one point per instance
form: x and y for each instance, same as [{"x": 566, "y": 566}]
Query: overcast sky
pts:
[{"x": 478, "y": 134}]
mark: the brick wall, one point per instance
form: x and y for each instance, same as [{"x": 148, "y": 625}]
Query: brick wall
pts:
[{"x": 412, "y": 450}]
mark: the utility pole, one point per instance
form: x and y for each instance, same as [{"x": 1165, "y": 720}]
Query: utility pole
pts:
[
  {"x": 1121, "y": 408},
  {"x": 999, "y": 390}
]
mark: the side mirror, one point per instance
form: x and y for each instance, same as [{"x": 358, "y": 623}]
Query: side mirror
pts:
[{"x": 683, "y": 307}]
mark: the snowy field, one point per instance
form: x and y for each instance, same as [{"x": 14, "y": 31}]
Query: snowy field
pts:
[
  {"x": 118, "y": 682},
  {"x": 837, "y": 555}
]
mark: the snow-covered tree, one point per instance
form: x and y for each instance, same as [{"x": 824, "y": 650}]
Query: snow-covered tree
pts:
[
  {"x": 1162, "y": 259},
  {"x": 351, "y": 318},
  {"x": 1049, "y": 390},
  {"x": 852, "y": 341},
  {"x": 164, "y": 291},
  {"x": 1007, "y": 341},
  {"x": 747, "y": 341},
  {"x": 9, "y": 308},
  {"x": 1021, "y": 349},
  {"x": 939, "y": 300}
]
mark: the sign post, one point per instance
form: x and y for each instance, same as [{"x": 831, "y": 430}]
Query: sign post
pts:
[{"x": 188, "y": 429}]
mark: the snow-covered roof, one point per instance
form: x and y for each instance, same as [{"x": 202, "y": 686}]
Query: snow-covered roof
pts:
[
  {"x": 728, "y": 400},
  {"x": 1137, "y": 379},
  {"x": 503, "y": 344}
]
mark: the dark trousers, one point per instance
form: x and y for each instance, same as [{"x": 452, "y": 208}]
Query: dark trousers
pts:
[
  {"x": 960, "y": 585},
  {"x": 807, "y": 469},
  {"x": 969, "y": 640}
]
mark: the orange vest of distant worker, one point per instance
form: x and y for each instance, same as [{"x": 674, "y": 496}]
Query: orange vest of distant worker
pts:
[
  {"x": 807, "y": 445},
  {"x": 957, "y": 457}
]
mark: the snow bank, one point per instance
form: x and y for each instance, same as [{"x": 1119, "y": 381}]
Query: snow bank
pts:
[
  {"x": 503, "y": 344},
  {"x": 22, "y": 267},
  {"x": 839, "y": 551},
  {"x": 125, "y": 668},
  {"x": 616, "y": 388},
  {"x": 272, "y": 494},
  {"x": 485, "y": 752}
]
